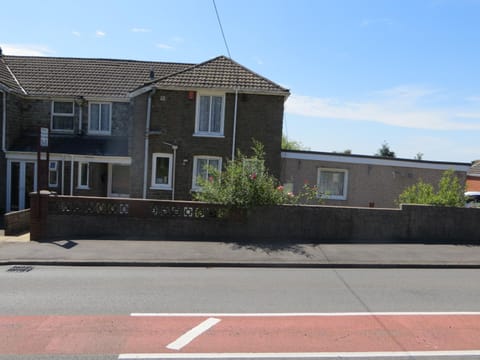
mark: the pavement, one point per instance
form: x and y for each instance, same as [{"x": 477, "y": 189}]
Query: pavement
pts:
[{"x": 19, "y": 250}]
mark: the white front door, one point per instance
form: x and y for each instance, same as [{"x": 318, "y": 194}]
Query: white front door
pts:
[
  {"x": 21, "y": 181},
  {"x": 118, "y": 180}
]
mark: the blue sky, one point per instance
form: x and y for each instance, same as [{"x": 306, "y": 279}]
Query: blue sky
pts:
[{"x": 360, "y": 72}]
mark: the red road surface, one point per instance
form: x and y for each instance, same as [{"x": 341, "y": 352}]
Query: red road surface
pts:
[{"x": 239, "y": 334}]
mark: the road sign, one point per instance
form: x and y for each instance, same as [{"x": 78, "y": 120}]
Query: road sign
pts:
[{"x": 44, "y": 137}]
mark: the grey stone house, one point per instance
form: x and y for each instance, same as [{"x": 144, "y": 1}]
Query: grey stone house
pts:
[
  {"x": 359, "y": 180},
  {"x": 129, "y": 128}
]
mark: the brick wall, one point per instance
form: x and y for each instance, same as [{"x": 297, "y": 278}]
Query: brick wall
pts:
[
  {"x": 367, "y": 184},
  {"x": 14, "y": 126},
  {"x": 70, "y": 217},
  {"x": 17, "y": 222},
  {"x": 173, "y": 121},
  {"x": 3, "y": 163},
  {"x": 473, "y": 183}
]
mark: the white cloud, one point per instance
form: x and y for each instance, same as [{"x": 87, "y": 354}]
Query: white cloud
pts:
[
  {"x": 474, "y": 98},
  {"x": 76, "y": 33},
  {"x": 399, "y": 106},
  {"x": 178, "y": 39},
  {"x": 100, "y": 33},
  {"x": 26, "y": 50},
  {"x": 164, "y": 46},
  {"x": 141, "y": 30},
  {"x": 378, "y": 21},
  {"x": 258, "y": 60}
]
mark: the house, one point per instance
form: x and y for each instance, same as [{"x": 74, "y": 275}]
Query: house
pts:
[
  {"x": 358, "y": 180},
  {"x": 129, "y": 128},
  {"x": 473, "y": 177}
]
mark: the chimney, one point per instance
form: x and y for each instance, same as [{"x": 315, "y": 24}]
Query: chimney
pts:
[
  {"x": 1, "y": 53},
  {"x": 152, "y": 74}
]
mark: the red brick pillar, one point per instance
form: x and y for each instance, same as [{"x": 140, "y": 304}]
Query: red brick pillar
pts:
[{"x": 39, "y": 215}]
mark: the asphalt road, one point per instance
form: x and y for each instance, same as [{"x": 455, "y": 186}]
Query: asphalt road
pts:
[{"x": 106, "y": 291}]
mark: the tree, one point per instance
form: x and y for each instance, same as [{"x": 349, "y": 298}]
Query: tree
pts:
[
  {"x": 419, "y": 156},
  {"x": 246, "y": 183},
  {"x": 347, "y": 152},
  {"x": 385, "y": 151},
  {"x": 450, "y": 192},
  {"x": 292, "y": 144}
]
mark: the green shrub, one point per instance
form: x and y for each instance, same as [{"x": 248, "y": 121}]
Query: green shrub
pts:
[
  {"x": 450, "y": 192},
  {"x": 246, "y": 183}
]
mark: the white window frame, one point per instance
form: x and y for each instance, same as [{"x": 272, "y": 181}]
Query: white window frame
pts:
[
  {"x": 72, "y": 114},
  {"x": 154, "y": 185},
  {"x": 100, "y": 104},
  {"x": 253, "y": 165},
  {"x": 345, "y": 183},
  {"x": 197, "y": 115},
  {"x": 195, "y": 186},
  {"x": 80, "y": 185},
  {"x": 53, "y": 168}
]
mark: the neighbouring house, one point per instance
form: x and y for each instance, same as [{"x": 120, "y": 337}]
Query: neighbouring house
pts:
[
  {"x": 473, "y": 177},
  {"x": 129, "y": 128},
  {"x": 358, "y": 180}
]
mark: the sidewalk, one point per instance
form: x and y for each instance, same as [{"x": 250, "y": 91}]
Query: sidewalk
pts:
[{"x": 19, "y": 250}]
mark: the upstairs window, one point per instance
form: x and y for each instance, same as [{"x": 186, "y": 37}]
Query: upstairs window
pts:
[
  {"x": 332, "y": 183},
  {"x": 210, "y": 115},
  {"x": 100, "y": 118},
  {"x": 62, "y": 116}
]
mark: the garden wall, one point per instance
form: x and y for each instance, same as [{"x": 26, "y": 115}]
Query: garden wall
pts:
[
  {"x": 65, "y": 217},
  {"x": 17, "y": 222}
]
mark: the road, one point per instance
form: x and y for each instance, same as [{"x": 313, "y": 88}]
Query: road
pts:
[{"x": 113, "y": 313}]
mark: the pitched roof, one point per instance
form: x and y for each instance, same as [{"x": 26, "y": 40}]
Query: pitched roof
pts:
[
  {"x": 68, "y": 77},
  {"x": 54, "y": 76},
  {"x": 6, "y": 77},
  {"x": 221, "y": 73},
  {"x": 475, "y": 169}
]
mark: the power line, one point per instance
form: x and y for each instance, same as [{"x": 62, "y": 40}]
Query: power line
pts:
[{"x": 221, "y": 29}]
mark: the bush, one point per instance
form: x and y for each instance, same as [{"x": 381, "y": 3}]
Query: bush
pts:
[
  {"x": 450, "y": 192},
  {"x": 246, "y": 183}
]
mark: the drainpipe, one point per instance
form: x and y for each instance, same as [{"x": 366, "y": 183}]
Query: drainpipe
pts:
[
  {"x": 80, "y": 117},
  {"x": 62, "y": 186},
  {"x": 174, "y": 148},
  {"x": 71, "y": 175},
  {"x": 4, "y": 121},
  {"x": 234, "y": 136},
  {"x": 4, "y": 147},
  {"x": 147, "y": 130}
]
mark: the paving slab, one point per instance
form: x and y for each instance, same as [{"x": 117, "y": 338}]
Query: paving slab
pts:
[{"x": 19, "y": 250}]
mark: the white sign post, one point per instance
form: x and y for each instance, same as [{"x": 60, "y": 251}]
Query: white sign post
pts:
[{"x": 44, "y": 137}]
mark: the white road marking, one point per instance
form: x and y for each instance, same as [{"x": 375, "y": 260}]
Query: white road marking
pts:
[
  {"x": 307, "y": 314},
  {"x": 358, "y": 355},
  {"x": 192, "y": 334}
]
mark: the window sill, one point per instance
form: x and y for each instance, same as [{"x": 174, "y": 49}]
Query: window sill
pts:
[
  {"x": 99, "y": 133},
  {"x": 58, "y": 131},
  {"x": 340, "y": 198},
  {"x": 217, "y": 136},
  {"x": 83, "y": 188},
  {"x": 158, "y": 187}
]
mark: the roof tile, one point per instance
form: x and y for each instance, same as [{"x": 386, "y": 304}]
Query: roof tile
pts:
[
  {"x": 54, "y": 76},
  {"x": 49, "y": 76},
  {"x": 221, "y": 73}
]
